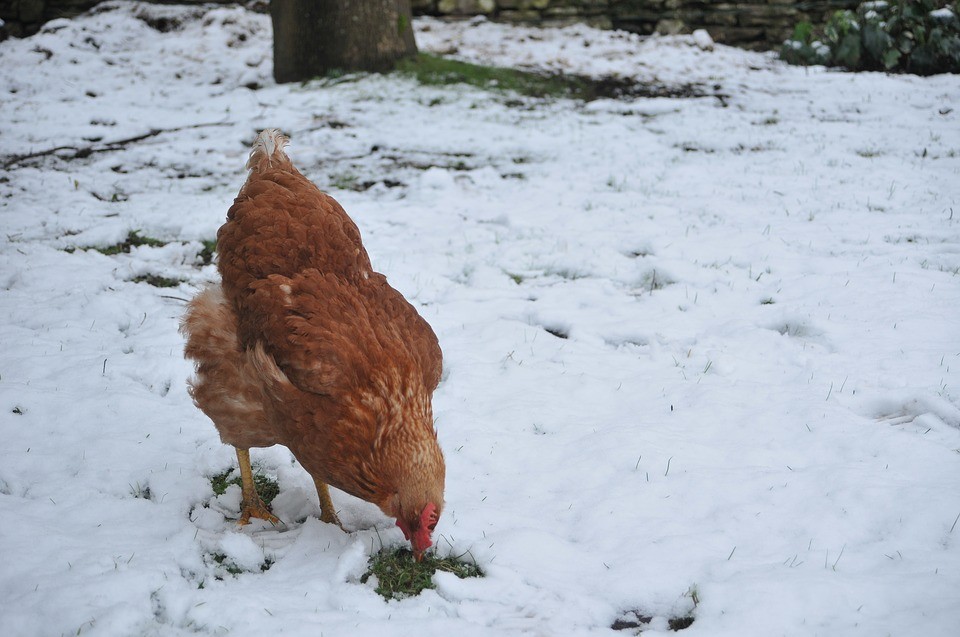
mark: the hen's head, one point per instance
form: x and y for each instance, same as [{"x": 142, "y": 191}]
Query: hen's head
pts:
[
  {"x": 418, "y": 501},
  {"x": 409, "y": 462},
  {"x": 418, "y": 527}
]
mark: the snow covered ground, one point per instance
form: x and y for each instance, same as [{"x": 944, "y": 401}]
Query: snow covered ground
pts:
[{"x": 702, "y": 354}]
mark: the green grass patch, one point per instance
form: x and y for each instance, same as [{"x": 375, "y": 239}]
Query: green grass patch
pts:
[
  {"x": 232, "y": 569},
  {"x": 209, "y": 249},
  {"x": 516, "y": 278},
  {"x": 432, "y": 70},
  {"x": 229, "y": 567},
  {"x": 345, "y": 181},
  {"x": 133, "y": 240},
  {"x": 267, "y": 487},
  {"x": 399, "y": 575},
  {"x": 157, "y": 281}
]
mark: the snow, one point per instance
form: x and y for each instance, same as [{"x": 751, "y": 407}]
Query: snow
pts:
[
  {"x": 702, "y": 39},
  {"x": 242, "y": 551},
  {"x": 745, "y": 407}
]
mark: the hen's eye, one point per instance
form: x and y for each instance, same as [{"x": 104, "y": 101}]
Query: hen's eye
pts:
[{"x": 432, "y": 526}]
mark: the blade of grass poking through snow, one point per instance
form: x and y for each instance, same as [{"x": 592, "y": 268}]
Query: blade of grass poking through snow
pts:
[{"x": 837, "y": 561}]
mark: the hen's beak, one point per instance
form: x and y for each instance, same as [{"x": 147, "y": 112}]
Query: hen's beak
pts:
[{"x": 418, "y": 555}]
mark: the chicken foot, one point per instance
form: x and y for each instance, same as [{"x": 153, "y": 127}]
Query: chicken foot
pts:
[
  {"x": 251, "y": 506},
  {"x": 327, "y": 513}
]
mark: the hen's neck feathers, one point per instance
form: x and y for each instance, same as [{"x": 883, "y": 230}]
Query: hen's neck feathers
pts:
[
  {"x": 267, "y": 151},
  {"x": 405, "y": 448}
]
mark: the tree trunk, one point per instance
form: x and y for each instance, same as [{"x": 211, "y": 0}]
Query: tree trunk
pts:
[{"x": 315, "y": 37}]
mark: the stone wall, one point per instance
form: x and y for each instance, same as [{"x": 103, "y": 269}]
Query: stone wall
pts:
[{"x": 747, "y": 23}]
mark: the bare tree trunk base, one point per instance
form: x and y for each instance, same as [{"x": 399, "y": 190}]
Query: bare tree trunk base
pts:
[{"x": 315, "y": 37}]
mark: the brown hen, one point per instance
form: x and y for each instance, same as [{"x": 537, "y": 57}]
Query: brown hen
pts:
[{"x": 302, "y": 344}]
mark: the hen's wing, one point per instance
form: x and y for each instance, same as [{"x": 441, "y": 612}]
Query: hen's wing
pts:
[
  {"x": 420, "y": 339},
  {"x": 293, "y": 264},
  {"x": 327, "y": 335}
]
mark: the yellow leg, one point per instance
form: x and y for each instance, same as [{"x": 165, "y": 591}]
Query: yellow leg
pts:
[
  {"x": 251, "y": 506},
  {"x": 327, "y": 512}
]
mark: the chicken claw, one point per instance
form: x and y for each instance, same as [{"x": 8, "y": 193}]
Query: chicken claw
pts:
[{"x": 256, "y": 510}]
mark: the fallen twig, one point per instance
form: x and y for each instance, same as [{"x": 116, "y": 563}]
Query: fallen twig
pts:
[{"x": 86, "y": 151}]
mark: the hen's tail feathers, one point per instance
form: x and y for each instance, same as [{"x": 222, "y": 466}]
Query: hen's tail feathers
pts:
[{"x": 268, "y": 150}]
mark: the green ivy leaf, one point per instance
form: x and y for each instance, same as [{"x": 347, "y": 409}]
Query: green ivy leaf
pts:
[
  {"x": 803, "y": 32},
  {"x": 848, "y": 52},
  {"x": 890, "y": 59},
  {"x": 875, "y": 40},
  {"x": 924, "y": 60}
]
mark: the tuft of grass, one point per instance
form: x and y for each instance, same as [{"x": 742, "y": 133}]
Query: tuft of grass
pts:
[
  {"x": 346, "y": 181},
  {"x": 569, "y": 274},
  {"x": 653, "y": 280},
  {"x": 399, "y": 575},
  {"x": 516, "y": 278},
  {"x": 133, "y": 240},
  {"x": 229, "y": 567},
  {"x": 209, "y": 249},
  {"x": 140, "y": 491},
  {"x": 221, "y": 481},
  {"x": 157, "y": 281},
  {"x": 232, "y": 568},
  {"x": 267, "y": 487}
]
